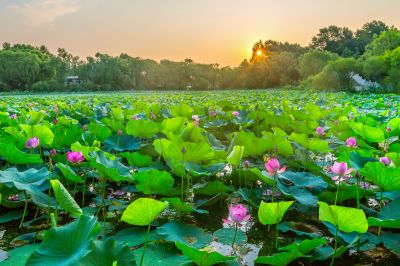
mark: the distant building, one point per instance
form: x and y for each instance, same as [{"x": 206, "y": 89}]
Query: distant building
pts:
[{"x": 72, "y": 80}]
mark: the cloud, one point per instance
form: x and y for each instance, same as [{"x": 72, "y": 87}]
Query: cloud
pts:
[{"x": 40, "y": 12}]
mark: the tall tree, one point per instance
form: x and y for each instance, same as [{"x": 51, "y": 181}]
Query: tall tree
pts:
[{"x": 335, "y": 39}]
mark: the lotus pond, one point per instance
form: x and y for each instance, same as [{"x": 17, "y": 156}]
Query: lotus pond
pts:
[{"x": 230, "y": 178}]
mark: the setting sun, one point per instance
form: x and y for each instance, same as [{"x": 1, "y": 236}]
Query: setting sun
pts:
[{"x": 259, "y": 53}]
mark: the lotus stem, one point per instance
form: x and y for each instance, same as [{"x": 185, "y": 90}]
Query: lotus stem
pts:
[
  {"x": 145, "y": 245},
  {"x": 83, "y": 192},
  {"x": 53, "y": 220},
  {"x": 358, "y": 207},
  {"x": 334, "y": 251},
  {"x": 380, "y": 207},
  {"x": 234, "y": 236},
  {"x": 25, "y": 208},
  {"x": 337, "y": 192},
  {"x": 273, "y": 189},
  {"x": 277, "y": 237}
]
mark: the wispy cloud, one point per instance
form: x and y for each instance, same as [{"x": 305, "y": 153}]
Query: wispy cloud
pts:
[{"x": 40, "y": 12}]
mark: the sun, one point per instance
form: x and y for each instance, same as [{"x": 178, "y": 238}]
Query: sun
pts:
[{"x": 259, "y": 53}]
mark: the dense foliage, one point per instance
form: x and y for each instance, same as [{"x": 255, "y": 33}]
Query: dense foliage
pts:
[
  {"x": 334, "y": 55},
  {"x": 200, "y": 178}
]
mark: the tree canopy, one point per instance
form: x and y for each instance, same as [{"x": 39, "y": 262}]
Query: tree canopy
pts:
[{"x": 334, "y": 55}]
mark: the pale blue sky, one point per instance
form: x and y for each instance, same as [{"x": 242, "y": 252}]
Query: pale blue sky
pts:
[{"x": 207, "y": 31}]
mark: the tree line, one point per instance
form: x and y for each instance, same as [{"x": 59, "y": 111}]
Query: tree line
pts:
[{"x": 329, "y": 62}]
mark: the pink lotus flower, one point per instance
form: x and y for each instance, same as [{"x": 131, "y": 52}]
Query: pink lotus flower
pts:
[
  {"x": 53, "y": 153},
  {"x": 13, "y": 116},
  {"x": 212, "y": 113},
  {"x": 235, "y": 113},
  {"x": 55, "y": 121},
  {"x": 385, "y": 160},
  {"x": 32, "y": 143},
  {"x": 119, "y": 132},
  {"x": 273, "y": 167},
  {"x": 342, "y": 171},
  {"x": 351, "y": 142},
  {"x": 388, "y": 129},
  {"x": 75, "y": 157},
  {"x": 195, "y": 117},
  {"x": 84, "y": 127},
  {"x": 320, "y": 131},
  {"x": 153, "y": 116},
  {"x": 237, "y": 214},
  {"x": 135, "y": 117}
]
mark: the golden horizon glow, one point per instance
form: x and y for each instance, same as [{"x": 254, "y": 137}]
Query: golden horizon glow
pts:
[{"x": 259, "y": 53}]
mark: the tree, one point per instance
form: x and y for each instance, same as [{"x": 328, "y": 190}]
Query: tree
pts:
[
  {"x": 388, "y": 40},
  {"x": 337, "y": 74},
  {"x": 374, "y": 68},
  {"x": 366, "y": 34},
  {"x": 336, "y": 40},
  {"x": 314, "y": 61},
  {"x": 392, "y": 62},
  {"x": 19, "y": 69}
]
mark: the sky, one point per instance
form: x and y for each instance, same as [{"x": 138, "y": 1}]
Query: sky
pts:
[{"x": 207, "y": 31}]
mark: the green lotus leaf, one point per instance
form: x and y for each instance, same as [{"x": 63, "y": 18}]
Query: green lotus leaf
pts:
[
  {"x": 161, "y": 254},
  {"x": 305, "y": 246},
  {"x": 184, "y": 207},
  {"x": 312, "y": 144},
  {"x": 43, "y": 133},
  {"x": 344, "y": 218},
  {"x": 280, "y": 259},
  {"x": 226, "y": 235},
  {"x": 30, "y": 180},
  {"x": 388, "y": 217},
  {"x": 272, "y": 213},
  {"x": 104, "y": 253},
  {"x": 184, "y": 233},
  {"x": 112, "y": 169},
  {"x": 153, "y": 181},
  {"x": 20, "y": 255},
  {"x": 11, "y": 216},
  {"x": 279, "y": 142},
  {"x": 122, "y": 143},
  {"x": 202, "y": 258},
  {"x": 368, "y": 133},
  {"x": 358, "y": 162},
  {"x": 137, "y": 159},
  {"x": 143, "y": 211},
  {"x": 66, "y": 245},
  {"x": 135, "y": 236},
  {"x": 253, "y": 146},
  {"x": 236, "y": 155},
  {"x": 386, "y": 178},
  {"x": 391, "y": 241},
  {"x": 212, "y": 188},
  {"x": 65, "y": 200},
  {"x": 66, "y": 135},
  {"x": 142, "y": 128},
  {"x": 35, "y": 117},
  {"x": 13, "y": 155},
  {"x": 101, "y": 132},
  {"x": 68, "y": 173},
  {"x": 173, "y": 124}
]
